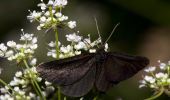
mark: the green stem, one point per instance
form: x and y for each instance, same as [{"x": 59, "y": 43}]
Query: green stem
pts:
[
  {"x": 59, "y": 93},
  {"x": 57, "y": 45},
  {"x": 34, "y": 81},
  {"x": 5, "y": 84},
  {"x": 95, "y": 98},
  {"x": 157, "y": 95},
  {"x": 57, "y": 57},
  {"x": 51, "y": 13}
]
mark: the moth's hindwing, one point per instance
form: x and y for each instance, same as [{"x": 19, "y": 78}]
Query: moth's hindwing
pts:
[{"x": 120, "y": 67}]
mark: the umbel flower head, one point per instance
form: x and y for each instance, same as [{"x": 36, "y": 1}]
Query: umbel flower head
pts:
[
  {"x": 51, "y": 16},
  {"x": 21, "y": 51},
  {"x": 157, "y": 78},
  {"x": 75, "y": 46}
]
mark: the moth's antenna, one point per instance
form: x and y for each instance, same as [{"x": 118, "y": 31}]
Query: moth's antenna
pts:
[
  {"x": 98, "y": 31},
  {"x": 112, "y": 33}
]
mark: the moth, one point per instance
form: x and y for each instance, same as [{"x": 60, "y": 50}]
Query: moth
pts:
[{"x": 77, "y": 75}]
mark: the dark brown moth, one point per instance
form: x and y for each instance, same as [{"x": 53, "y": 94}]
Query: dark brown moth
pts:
[{"x": 79, "y": 74}]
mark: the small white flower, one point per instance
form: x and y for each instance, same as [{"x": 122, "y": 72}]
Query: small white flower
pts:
[
  {"x": 66, "y": 49},
  {"x": 2, "y": 54},
  {"x": 80, "y": 45},
  {"x": 32, "y": 95},
  {"x": 9, "y": 53},
  {"x": 39, "y": 79},
  {"x": 33, "y": 62},
  {"x": 106, "y": 47},
  {"x": 3, "y": 90},
  {"x": 42, "y": 5},
  {"x": 168, "y": 80},
  {"x": 3, "y": 47},
  {"x": 73, "y": 37},
  {"x": 26, "y": 37},
  {"x": 16, "y": 89},
  {"x": 39, "y": 28},
  {"x": 52, "y": 44},
  {"x": 58, "y": 14},
  {"x": 34, "y": 15},
  {"x": 50, "y": 2},
  {"x": 162, "y": 66},
  {"x": 72, "y": 24},
  {"x": 18, "y": 74},
  {"x": 96, "y": 42},
  {"x": 43, "y": 19},
  {"x": 61, "y": 56},
  {"x": 149, "y": 79},
  {"x": 19, "y": 46},
  {"x": 11, "y": 44},
  {"x": 77, "y": 52},
  {"x": 60, "y": 3},
  {"x": 161, "y": 75},
  {"x": 52, "y": 53},
  {"x": 92, "y": 50},
  {"x": 34, "y": 40},
  {"x": 142, "y": 85},
  {"x": 63, "y": 18},
  {"x": 34, "y": 46},
  {"x": 47, "y": 83},
  {"x": 150, "y": 69}
]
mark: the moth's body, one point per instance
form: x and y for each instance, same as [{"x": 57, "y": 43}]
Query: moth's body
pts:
[{"x": 79, "y": 74}]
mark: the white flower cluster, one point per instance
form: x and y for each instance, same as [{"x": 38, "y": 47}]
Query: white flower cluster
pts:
[
  {"x": 77, "y": 44},
  {"x": 156, "y": 80},
  {"x": 22, "y": 85},
  {"x": 51, "y": 16},
  {"x": 19, "y": 52}
]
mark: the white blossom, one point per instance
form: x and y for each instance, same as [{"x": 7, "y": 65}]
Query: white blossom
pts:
[
  {"x": 80, "y": 45},
  {"x": 92, "y": 50},
  {"x": 72, "y": 24},
  {"x": 43, "y": 19},
  {"x": 150, "y": 69},
  {"x": 58, "y": 14},
  {"x": 33, "y": 62},
  {"x": 66, "y": 49},
  {"x": 47, "y": 83},
  {"x": 3, "y": 48},
  {"x": 9, "y": 53},
  {"x": 149, "y": 79},
  {"x": 162, "y": 66},
  {"x": 34, "y": 15},
  {"x": 26, "y": 37},
  {"x": 18, "y": 74},
  {"x": 73, "y": 37},
  {"x": 42, "y": 5},
  {"x": 161, "y": 75},
  {"x": 60, "y": 3},
  {"x": 11, "y": 44}
]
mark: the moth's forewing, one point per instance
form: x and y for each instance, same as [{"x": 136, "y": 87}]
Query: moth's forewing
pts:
[
  {"x": 83, "y": 86},
  {"x": 65, "y": 71},
  {"x": 120, "y": 67},
  {"x": 101, "y": 83}
]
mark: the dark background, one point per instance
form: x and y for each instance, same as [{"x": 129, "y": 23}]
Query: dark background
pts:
[{"x": 143, "y": 30}]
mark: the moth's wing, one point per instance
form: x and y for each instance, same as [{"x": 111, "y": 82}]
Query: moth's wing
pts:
[
  {"x": 66, "y": 71},
  {"x": 120, "y": 66},
  {"x": 101, "y": 83},
  {"x": 83, "y": 86}
]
